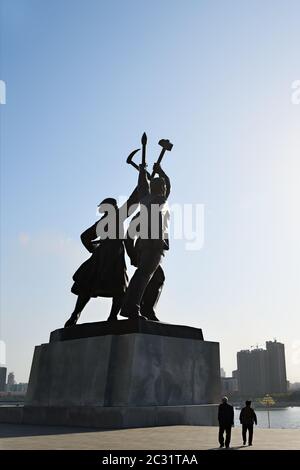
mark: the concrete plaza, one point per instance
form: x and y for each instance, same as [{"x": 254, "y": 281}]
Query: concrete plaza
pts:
[{"x": 14, "y": 436}]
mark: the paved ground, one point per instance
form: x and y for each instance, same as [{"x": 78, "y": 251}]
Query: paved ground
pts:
[{"x": 14, "y": 436}]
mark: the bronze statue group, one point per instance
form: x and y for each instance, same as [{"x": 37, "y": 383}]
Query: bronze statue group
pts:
[{"x": 104, "y": 274}]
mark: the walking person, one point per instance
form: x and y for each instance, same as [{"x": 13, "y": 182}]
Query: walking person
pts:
[
  {"x": 226, "y": 421},
  {"x": 247, "y": 420}
]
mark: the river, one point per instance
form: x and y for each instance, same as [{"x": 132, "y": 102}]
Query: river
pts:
[{"x": 284, "y": 418}]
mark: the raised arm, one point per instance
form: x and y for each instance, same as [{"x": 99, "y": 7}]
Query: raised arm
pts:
[
  {"x": 141, "y": 190},
  {"x": 158, "y": 169},
  {"x": 130, "y": 205},
  {"x": 143, "y": 183}
]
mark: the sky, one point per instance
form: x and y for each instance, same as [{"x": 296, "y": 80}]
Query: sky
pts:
[{"x": 84, "y": 80}]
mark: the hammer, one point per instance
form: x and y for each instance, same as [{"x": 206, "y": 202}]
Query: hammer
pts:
[{"x": 166, "y": 145}]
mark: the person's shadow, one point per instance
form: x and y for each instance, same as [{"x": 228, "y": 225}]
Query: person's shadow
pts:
[{"x": 229, "y": 448}]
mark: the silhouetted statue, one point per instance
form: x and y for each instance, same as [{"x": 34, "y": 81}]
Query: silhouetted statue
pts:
[
  {"x": 247, "y": 420},
  {"x": 226, "y": 421},
  {"x": 153, "y": 290},
  {"x": 151, "y": 246},
  {"x": 104, "y": 273}
]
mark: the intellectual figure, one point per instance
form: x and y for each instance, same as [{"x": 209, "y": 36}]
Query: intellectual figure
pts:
[
  {"x": 151, "y": 245},
  {"x": 226, "y": 421},
  {"x": 247, "y": 420}
]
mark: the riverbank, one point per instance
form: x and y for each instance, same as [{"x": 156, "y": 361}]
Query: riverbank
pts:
[
  {"x": 259, "y": 406},
  {"x": 275, "y": 417}
]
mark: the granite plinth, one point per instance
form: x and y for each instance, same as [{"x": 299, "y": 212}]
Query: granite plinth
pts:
[
  {"x": 116, "y": 417},
  {"x": 127, "y": 368}
]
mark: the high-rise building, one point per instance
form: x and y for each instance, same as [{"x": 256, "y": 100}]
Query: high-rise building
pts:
[
  {"x": 276, "y": 365},
  {"x": 243, "y": 367},
  {"x": 3, "y": 371},
  {"x": 252, "y": 366},
  {"x": 10, "y": 381},
  {"x": 262, "y": 371}
]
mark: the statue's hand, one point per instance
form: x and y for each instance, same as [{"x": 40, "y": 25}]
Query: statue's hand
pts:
[{"x": 157, "y": 168}]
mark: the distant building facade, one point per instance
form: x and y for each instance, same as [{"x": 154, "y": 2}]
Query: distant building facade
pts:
[
  {"x": 10, "y": 381},
  {"x": 277, "y": 369},
  {"x": 229, "y": 384},
  {"x": 262, "y": 371},
  {"x": 3, "y": 372},
  {"x": 252, "y": 366},
  {"x": 19, "y": 388},
  {"x": 294, "y": 386}
]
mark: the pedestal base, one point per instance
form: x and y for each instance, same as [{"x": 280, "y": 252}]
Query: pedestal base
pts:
[
  {"x": 123, "y": 374},
  {"x": 117, "y": 417}
]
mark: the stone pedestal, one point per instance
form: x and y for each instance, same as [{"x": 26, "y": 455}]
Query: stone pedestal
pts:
[{"x": 124, "y": 374}]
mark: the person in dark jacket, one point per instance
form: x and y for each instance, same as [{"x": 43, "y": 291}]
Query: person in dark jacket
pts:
[
  {"x": 226, "y": 421},
  {"x": 247, "y": 420}
]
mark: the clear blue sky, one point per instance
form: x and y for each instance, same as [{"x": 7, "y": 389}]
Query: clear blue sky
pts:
[{"x": 84, "y": 80}]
